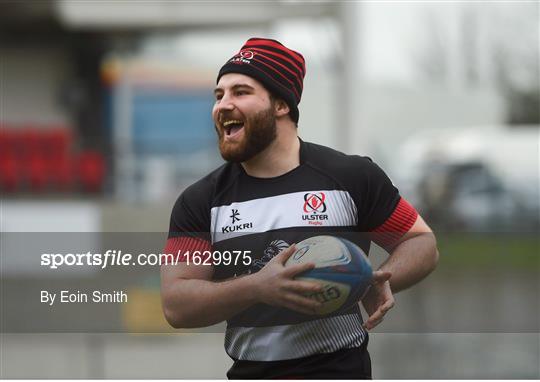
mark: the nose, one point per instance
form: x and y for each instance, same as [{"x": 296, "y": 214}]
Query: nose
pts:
[
  {"x": 220, "y": 110},
  {"x": 225, "y": 103}
]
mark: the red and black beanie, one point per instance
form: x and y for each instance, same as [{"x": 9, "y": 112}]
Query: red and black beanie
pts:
[{"x": 281, "y": 70}]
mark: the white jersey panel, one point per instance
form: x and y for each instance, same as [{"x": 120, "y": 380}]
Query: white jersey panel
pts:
[{"x": 318, "y": 208}]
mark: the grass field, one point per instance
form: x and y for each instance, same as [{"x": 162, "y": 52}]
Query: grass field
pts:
[{"x": 493, "y": 250}]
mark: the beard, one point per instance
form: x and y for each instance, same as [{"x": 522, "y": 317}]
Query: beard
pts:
[{"x": 259, "y": 132}]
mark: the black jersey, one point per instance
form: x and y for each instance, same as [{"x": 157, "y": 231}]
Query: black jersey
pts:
[{"x": 328, "y": 193}]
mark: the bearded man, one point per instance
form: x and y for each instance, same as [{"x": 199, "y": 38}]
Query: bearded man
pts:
[{"x": 255, "y": 203}]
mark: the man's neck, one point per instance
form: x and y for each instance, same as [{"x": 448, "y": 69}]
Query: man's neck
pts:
[{"x": 282, "y": 156}]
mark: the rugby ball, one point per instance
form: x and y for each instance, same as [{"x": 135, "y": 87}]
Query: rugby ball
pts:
[{"x": 341, "y": 267}]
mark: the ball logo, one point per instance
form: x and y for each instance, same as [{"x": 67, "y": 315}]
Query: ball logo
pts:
[
  {"x": 300, "y": 252},
  {"x": 341, "y": 269},
  {"x": 328, "y": 293},
  {"x": 314, "y": 202}
]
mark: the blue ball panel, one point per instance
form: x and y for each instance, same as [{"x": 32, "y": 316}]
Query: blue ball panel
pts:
[{"x": 357, "y": 274}]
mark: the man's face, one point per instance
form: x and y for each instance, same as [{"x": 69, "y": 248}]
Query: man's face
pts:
[{"x": 243, "y": 117}]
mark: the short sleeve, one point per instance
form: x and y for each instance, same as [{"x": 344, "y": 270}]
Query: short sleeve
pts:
[
  {"x": 189, "y": 228},
  {"x": 388, "y": 216},
  {"x": 379, "y": 199},
  {"x": 190, "y": 215}
]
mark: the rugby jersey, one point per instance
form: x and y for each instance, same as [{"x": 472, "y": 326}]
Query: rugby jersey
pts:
[{"x": 329, "y": 193}]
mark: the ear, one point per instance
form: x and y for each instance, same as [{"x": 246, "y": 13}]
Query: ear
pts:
[{"x": 281, "y": 108}]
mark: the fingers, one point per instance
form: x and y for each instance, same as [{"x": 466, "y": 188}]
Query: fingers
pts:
[
  {"x": 389, "y": 304},
  {"x": 377, "y": 317},
  {"x": 370, "y": 324},
  {"x": 300, "y": 303},
  {"x": 293, "y": 270},
  {"x": 380, "y": 276},
  {"x": 284, "y": 255},
  {"x": 303, "y": 287}
]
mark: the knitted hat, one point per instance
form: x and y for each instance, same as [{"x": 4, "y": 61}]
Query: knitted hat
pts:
[{"x": 280, "y": 69}]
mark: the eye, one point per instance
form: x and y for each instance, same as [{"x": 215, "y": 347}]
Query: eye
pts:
[{"x": 219, "y": 96}]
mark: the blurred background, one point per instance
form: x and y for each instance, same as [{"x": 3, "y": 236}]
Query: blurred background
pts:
[{"x": 105, "y": 119}]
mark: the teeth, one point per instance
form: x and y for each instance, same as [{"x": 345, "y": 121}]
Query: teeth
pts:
[{"x": 231, "y": 122}]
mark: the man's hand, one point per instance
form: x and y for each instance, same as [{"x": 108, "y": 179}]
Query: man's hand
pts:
[
  {"x": 378, "y": 300},
  {"x": 276, "y": 286}
]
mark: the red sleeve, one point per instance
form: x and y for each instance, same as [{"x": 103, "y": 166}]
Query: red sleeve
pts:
[
  {"x": 399, "y": 223},
  {"x": 178, "y": 248}
]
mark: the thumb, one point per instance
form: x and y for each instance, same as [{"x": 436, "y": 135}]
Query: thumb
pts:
[
  {"x": 284, "y": 255},
  {"x": 381, "y": 276}
]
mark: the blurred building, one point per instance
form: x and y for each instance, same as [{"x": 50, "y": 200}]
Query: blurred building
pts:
[{"x": 115, "y": 81}]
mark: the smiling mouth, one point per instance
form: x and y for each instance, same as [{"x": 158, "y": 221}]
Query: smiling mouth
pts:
[{"x": 232, "y": 127}]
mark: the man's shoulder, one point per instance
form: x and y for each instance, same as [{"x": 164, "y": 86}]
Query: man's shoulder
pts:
[
  {"x": 207, "y": 186},
  {"x": 190, "y": 212},
  {"x": 330, "y": 160}
]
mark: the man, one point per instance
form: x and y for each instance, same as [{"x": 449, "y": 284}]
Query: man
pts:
[{"x": 256, "y": 202}]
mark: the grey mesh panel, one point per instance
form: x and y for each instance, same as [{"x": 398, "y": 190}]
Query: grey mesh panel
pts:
[{"x": 284, "y": 342}]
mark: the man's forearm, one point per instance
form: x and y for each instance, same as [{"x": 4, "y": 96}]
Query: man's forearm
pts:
[
  {"x": 411, "y": 261},
  {"x": 197, "y": 303}
]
